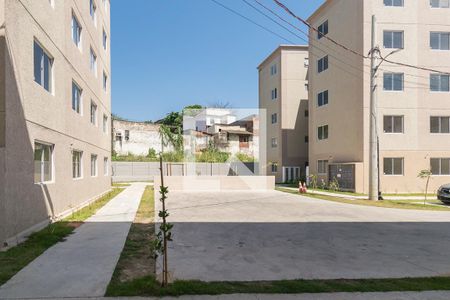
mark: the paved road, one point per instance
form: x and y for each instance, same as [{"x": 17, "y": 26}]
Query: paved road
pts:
[
  {"x": 433, "y": 295},
  {"x": 81, "y": 266},
  {"x": 274, "y": 235}
]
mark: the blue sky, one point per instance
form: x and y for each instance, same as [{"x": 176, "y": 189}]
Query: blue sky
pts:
[{"x": 167, "y": 54}]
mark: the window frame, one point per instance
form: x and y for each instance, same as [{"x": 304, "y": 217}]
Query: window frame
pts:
[
  {"x": 322, "y": 166},
  {"x": 440, "y": 5},
  {"x": 440, "y": 90},
  {"x": 322, "y": 134},
  {"x": 105, "y": 123},
  {"x": 93, "y": 115},
  {"x": 274, "y": 167},
  {"x": 322, "y": 64},
  {"x": 440, "y": 33},
  {"x": 440, "y": 124},
  {"x": 274, "y": 142},
  {"x": 322, "y": 30},
  {"x": 93, "y": 11},
  {"x": 44, "y": 54},
  {"x": 78, "y": 42},
  {"x": 393, "y": 166},
  {"x": 440, "y": 159},
  {"x": 79, "y": 165},
  {"x": 393, "y": 81},
  {"x": 51, "y": 148},
  {"x": 105, "y": 81},
  {"x": 393, "y": 3},
  {"x": 80, "y": 98},
  {"x": 94, "y": 165},
  {"x": 392, "y": 121},
  {"x": 104, "y": 39},
  {"x": 321, "y": 97},
  {"x": 274, "y": 118},
  {"x": 392, "y": 32}
]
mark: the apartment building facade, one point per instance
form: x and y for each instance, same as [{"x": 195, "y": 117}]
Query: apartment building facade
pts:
[
  {"x": 413, "y": 105},
  {"x": 283, "y": 94},
  {"x": 55, "y": 110}
]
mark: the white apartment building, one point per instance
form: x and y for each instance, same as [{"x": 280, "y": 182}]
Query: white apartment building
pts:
[
  {"x": 55, "y": 110},
  {"x": 413, "y": 105},
  {"x": 283, "y": 94}
]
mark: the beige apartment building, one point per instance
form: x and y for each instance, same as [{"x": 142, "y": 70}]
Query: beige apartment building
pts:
[
  {"x": 413, "y": 108},
  {"x": 283, "y": 93},
  {"x": 55, "y": 108}
]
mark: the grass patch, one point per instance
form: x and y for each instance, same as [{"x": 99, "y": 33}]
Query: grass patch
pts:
[
  {"x": 402, "y": 204},
  {"x": 292, "y": 185},
  {"x": 120, "y": 184},
  {"x": 136, "y": 259},
  {"x": 148, "y": 286},
  {"x": 16, "y": 258}
]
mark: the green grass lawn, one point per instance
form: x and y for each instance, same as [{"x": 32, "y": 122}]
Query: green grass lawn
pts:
[
  {"x": 148, "y": 286},
  {"x": 14, "y": 259},
  {"x": 403, "y": 204},
  {"x": 136, "y": 260},
  {"x": 121, "y": 184}
]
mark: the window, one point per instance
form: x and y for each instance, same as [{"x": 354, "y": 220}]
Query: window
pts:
[
  {"x": 306, "y": 113},
  {"x": 274, "y": 142},
  {"x": 105, "y": 166},
  {"x": 127, "y": 135},
  {"x": 105, "y": 81},
  {"x": 93, "y": 60},
  {"x": 105, "y": 123},
  {"x": 274, "y": 118},
  {"x": 92, "y": 11},
  {"x": 393, "y": 166},
  {"x": 274, "y": 167},
  {"x": 306, "y": 62},
  {"x": 76, "y": 98},
  {"x": 274, "y": 94},
  {"x": 393, "y": 81},
  {"x": 43, "y": 162},
  {"x": 440, "y": 40},
  {"x": 397, "y": 3},
  {"x": 322, "y": 167},
  {"x": 322, "y": 132},
  {"x": 306, "y": 87},
  {"x": 273, "y": 69},
  {"x": 440, "y": 3},
  {"x": 105, "y": 39},
  {"x": 393, "y": 39},
  {"x": 43, "y": 64},
  {"x": 440, "y": 166},
  {"x": 393, "y": 124},
  {"x": 93, "y": 113},
  {"x": 440, "y": 124},
  {"x": 76, "y": 31},
  {"x": 322, "y": 98},
  {"x": 306, "y": 139},
  {"x": 439, "y": 83},
  {"x": 93, "y": 165},
  {"x": 322, "y": 64},
  {"x": 322, "y": 30},
  {"x": 77, "y": 164}
]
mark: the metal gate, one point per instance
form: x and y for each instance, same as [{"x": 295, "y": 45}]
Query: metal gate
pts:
[{"x": 344, "y": 174}]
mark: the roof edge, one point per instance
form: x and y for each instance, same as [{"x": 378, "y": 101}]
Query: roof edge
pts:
[
  {"x": 319, "y": 10},
  {"x": 278, "y": 49}
]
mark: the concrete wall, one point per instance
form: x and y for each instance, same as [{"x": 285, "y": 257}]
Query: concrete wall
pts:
[
  {"x": 34, "y": 114},
  {"x": 347, "y": 80},
  {"x": 136, "y": 171},
  {"x": 290, "y": 105},
  {"x": 142, "y": 137},
  {"x": 215, "y": 183}
]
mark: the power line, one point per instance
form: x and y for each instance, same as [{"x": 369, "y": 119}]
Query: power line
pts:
[
  {"x": 349, "y": 49},
  {"x": 251, "y": 21}
]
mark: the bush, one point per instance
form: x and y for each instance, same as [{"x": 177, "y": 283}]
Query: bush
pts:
[{"x": 244, "y": 157}]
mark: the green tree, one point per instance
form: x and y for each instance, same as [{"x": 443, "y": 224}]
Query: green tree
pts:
[{"x": 425, "y": 174}]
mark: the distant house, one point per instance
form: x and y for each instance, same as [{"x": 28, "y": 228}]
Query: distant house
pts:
[{"x": 136, "y": 138}]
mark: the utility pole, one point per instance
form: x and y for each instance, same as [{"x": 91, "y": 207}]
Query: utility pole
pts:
[{"x": 373, "y": 143}]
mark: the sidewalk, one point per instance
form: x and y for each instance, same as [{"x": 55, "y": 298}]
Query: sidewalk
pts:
[
  {"x": 82, "y": 265},
  {"x": 359, "y": 197},
  {"x": 429, "y": 295}
]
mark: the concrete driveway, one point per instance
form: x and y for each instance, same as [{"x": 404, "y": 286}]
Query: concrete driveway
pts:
[{"x": 244, "y": 235}]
